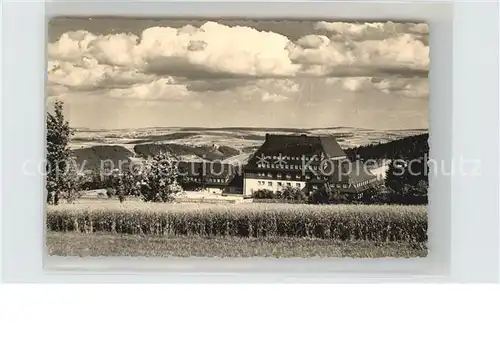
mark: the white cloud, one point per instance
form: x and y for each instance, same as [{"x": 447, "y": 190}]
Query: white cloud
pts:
[
  {"x": 266, "y": 96},
  {"x": 402, "y": 52},
  {"x": 161, "y": 89},
  {"x": 373, "y": 30},
  {"x": 209, "y": 57},
  {"x": 269, "y": 90},
  {"x": 212, "y": 48},
  {"x": 406, "y": 87},
  {"x": 89, "y": 74}
]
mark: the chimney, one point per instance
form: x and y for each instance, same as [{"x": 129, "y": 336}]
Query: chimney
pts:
[{"x": 267, "y": 136}]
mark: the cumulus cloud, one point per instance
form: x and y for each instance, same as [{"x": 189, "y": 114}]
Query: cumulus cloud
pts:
[
  {"x": 213, "y": 48},
  {"x": 161, "y": 89},
  {"x": 373, "y": 30},
  {"x": 269, "y": 90},
  {"x": 407, "y": 87},
  {"x": 216, "y": 57},
  {"x": 88, "y": 74},
  {"x": 334, "y": 58}
]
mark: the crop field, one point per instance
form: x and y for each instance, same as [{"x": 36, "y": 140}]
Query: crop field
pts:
[{"x": 339, "y": 222}]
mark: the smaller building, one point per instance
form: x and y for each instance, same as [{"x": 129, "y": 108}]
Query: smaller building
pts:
[{"x": 212, "y": 176}]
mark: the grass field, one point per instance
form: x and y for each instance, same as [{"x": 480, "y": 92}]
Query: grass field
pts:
[
  {"x": 238, "y": 230},
  {"x": 106, "y": 244}
]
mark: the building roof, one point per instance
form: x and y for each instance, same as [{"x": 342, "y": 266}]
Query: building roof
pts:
[
  {"x": 359, "y": 173},
  {"x": 346, "y": 171},
  {"x": 295, "y": 146}
]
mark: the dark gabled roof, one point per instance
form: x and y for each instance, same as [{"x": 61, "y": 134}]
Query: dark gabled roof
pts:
[
  {"x": 359, "y": 173},
  {"x": 297, "y": 146},
  {"x": 209, "y": 169},
  {"x": 331, "y": 147}
]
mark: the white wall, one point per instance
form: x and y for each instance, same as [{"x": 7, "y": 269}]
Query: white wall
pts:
[{"x": 250, "y": 185}]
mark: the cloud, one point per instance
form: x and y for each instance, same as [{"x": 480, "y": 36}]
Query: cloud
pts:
[
  {"x": 161, "y": 89},
  {"x": 215, "y": 57},
  {"x": 373, "y": 30},
  {"x": 406, "y": 87},
  {"x": 212, "y": 48},
  {"x": 266, "y": 96},
  {"x": 89, "y": 74},
  {"x": 271, "y": 90},
  {"x": 334, "y": 58}
]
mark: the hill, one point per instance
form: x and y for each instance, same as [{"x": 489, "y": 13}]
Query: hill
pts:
[
  {"x": 110, "y": 155},
  {"x": 408, "y": 148}
]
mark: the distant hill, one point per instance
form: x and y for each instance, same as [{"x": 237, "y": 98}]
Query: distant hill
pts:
[
  {"x": 92, "y": 156},
  {"x": 411, "y": 147},
  {"x": 207, "y": 152}
]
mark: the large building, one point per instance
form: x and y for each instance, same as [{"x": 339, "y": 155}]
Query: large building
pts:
[{"x": 305, "y": 162}]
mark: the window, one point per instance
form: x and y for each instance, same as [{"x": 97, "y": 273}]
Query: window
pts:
[
  {"x": 279, "y": 183},
  {"x": 308, "y": 177},
  {"x": 345, "y": 186},
  {"x": 297, "y": 185},
  {"x": 269, "y": 183},
  {"x": 289, "y": 184},
  {"x": 297, "y": 176},
  {"x": 315, "y": 187},
  {"x": 288, "y": 176},
  {"x": 269, "y": 175},
  {"x": 279, "y": 175}
]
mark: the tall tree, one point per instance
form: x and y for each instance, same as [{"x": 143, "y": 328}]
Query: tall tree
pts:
[
  {"x": 159, "y": 182},
  {"x": 58, "y": 153}
]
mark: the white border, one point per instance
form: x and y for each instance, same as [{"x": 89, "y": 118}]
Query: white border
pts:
[{"x": 464, "y": 65}]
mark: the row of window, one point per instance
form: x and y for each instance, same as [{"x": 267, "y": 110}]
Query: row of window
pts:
[
  {"x": 339, "y": 186},
  {"x": 289, "y": 176},
  {"x": 344, "y": 186},
  {"x": 285, "y": 166},
  {"x": 262, "y": 183},
  {"x": 209, "y": 180},
  {"x": 364, "y": 183},
  {"x": 290, "y": 158}
]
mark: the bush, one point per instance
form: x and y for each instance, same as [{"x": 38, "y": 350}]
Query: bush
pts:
[
  {"x": 342, "y": 222},
  {"x": 263, "y": 194},
  {"x": 320, "y": 196},
  {"x": 291, "y": 193},
  {"x": 110, "y": 192}
]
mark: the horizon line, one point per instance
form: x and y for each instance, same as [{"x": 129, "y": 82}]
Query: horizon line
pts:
[{"x": 249, "y": 128}]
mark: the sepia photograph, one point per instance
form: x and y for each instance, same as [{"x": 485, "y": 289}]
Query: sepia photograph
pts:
[{"x": 236, "y": 138}]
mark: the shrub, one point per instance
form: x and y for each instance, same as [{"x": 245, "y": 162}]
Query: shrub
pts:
[
  {"x": 291, "y": 193},
  {"x": 263, "y": 194},
  {"x": 110, "y": 192}
]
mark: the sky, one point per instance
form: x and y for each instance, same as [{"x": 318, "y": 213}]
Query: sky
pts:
[{"x": 136, "y": 73}]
